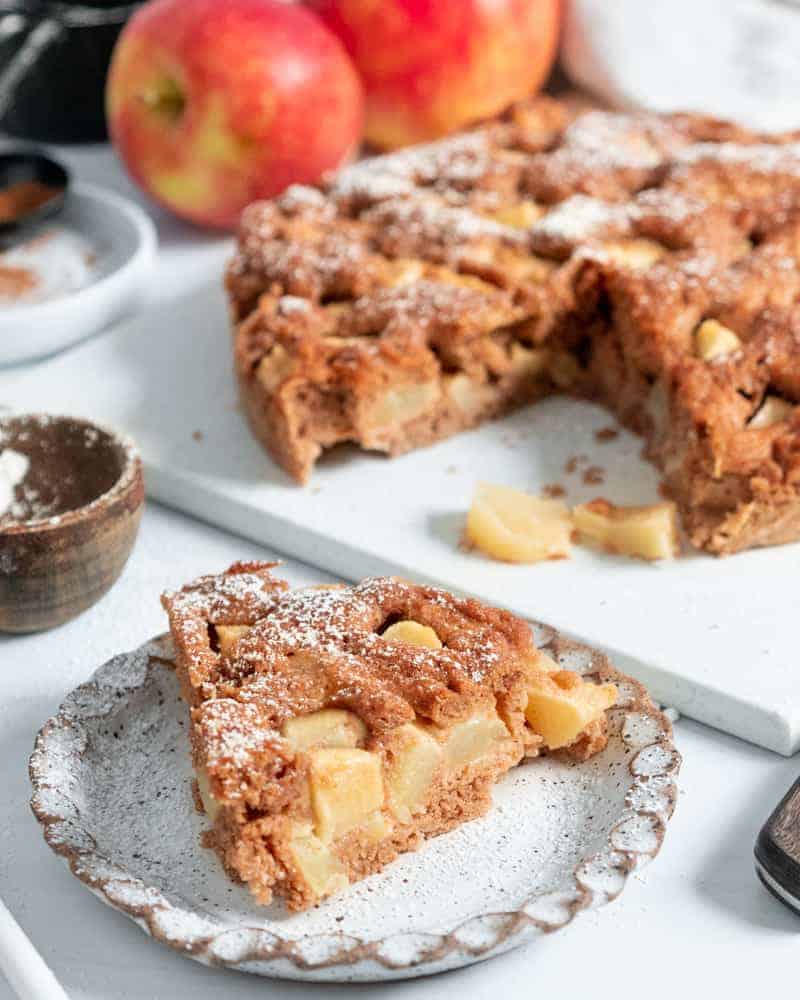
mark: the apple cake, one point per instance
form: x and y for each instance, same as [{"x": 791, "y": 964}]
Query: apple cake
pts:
[
  {"x": 646, "y": 261},
  {"x": 334, "y": 728}
]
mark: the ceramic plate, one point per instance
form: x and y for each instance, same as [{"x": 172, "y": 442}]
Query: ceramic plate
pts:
[
  {"x": 85, "y": 269},
  {"x": 112, "y": 788}
]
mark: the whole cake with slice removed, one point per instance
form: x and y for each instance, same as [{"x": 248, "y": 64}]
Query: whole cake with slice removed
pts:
[
  {"x": 650, "y": 262},
  {"x": 335, "y": 728}
]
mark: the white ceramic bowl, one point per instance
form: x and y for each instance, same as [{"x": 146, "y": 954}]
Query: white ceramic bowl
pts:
[{"x": 124, "y": 241}]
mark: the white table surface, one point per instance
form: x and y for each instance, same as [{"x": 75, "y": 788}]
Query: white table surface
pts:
[{"x": 695, "y": 923}]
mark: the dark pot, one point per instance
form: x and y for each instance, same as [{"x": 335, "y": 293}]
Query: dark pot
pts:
[{"x": 53, "y": 63}]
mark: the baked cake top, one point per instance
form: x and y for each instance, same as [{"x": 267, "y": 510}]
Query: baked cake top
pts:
[{"x": 536, "y": 228}]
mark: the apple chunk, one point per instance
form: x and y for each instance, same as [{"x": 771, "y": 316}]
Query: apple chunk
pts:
[
  {"x": 414, "y": 633},
  {"x": 516, "y": 527},
  {"x": 346, "y": 789},
  {"x": 321, "y": 869},
  {"x": 561, "y": 705},
  {"x": 649, "y": 532},
  {"x": 330, "y": 727},
  {"x": 210, "y": 805},
  {"x": 415, "y": 758},
  {"x": 713, "y": 340},
  {"x": 470, "y": 740},
  {"x": 228, "y": 636}
]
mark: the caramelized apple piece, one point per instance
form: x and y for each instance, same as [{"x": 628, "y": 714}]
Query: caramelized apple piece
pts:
[
  {"x": 414, "y": 634},
  {"x": 210, "y": 805},
  {"x": 404, "y": 403},
  {"x": 649, "y": 532},
  {"x": 520, "y": 216},
  {"x": 228, "y": 636},
  {"x": 319, "y": 866},
  {"x": 403, "y": 271},
  {"x": 516, "y": 527},
  {"x": 469, "y": 394},
  {"x": 470, "y": 740},
  {"x": 346, "y": 789},
  {"x": 274, "y": 368},
  {"x": 636, "y": 254},
  {"x": 772, "y": 411},
  {"x": 563, "y": 369},
  {"x": 529, "y": 361},
  {"x": 414, "y": 761},
  {"x": 561, "y": 705},
  {"x": 713, "y": 340},
  {"x": 330, "y": 727}
]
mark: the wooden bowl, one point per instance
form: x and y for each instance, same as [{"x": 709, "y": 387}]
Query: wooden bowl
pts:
[{"x": 72, "y": 526}]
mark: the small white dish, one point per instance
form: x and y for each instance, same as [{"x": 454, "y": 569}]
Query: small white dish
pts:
[
  {"x": 118, "y": 244},
  {"x": 112, "y": 787}
]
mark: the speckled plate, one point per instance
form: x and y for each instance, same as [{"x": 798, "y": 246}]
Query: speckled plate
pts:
[{"x": 112, "y": 789}]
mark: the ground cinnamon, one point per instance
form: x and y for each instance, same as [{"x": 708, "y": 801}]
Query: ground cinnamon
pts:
[
  {"x": 16, "y": 281},
  {"x": 23, "y": 197}
]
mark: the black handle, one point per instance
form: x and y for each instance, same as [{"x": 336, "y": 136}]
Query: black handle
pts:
[{"x": 778, "y": 850}]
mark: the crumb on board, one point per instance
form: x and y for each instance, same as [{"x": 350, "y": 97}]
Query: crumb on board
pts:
[
  {"x": 594, "y": 475},
  {"x": 553, "y": 491},
  {"x": 606, "y": 434},
  {"x": 572, "y": 463},
  {"x": 197, "y": 435}
]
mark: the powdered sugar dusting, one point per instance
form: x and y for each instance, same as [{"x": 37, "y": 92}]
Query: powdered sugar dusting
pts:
[
  {"x": 221, "y": 596},
  {"x": 604, "y": 139},
  {"x": 13, "y": 469},
  {"x": 762, "y": 158},
  {"x": 233, "y": 732},
  {"x": 579, "y": 218},
  {"x": 461, "y": 159}
]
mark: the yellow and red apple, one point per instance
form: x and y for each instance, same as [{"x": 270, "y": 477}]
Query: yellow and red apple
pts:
[
  {"x": 214, "y": 103},
  {"x": 430, "y": 67}
]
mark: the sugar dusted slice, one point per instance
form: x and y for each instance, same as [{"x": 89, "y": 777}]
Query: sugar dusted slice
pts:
[
  {"x": 517, "y": 527},
  {"x": 650, "y": 532},
  {"x": 333, "y": 729}
]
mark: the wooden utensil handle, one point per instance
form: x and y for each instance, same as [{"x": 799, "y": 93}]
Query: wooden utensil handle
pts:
[{"x": 778, "y": 849}]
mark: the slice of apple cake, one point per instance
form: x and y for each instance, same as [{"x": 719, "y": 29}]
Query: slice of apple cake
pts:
[{"x": 335, "y": 728}]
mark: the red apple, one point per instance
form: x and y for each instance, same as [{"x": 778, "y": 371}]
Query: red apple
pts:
[
  {"x": 214, "y": 103},
  {"x": 433, "y": 66}
]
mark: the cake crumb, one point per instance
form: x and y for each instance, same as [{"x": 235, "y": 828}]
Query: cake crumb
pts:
[
  {"x": 554, "y": 491},
  {"x": 572, "y": 463},
  {"x": 197, "y": 435},
  {"x": 594, "y": 475},
  {"x": 606, "y": 434}
]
